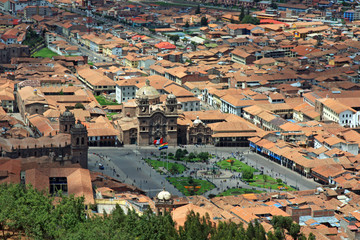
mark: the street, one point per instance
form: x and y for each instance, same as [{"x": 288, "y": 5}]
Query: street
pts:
[{"x": 125, "y": 164}]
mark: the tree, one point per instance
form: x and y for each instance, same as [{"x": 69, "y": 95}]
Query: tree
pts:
[
  {"x": 203, "y": 156},
  {"x": 247, "y": 174},
  {"x": 79, "y": 106},
  {"x": 251, "y": 20},
  {"x": 242, "y": 13},
  {"x": 196, "y": 227},
  {"x": 32, "y": 38},
  {"x": 273, "y": 5},
  {"x": 265, "y": 178},
  {"x": 260, "y": 233},
  {"x": 204, "y": 21},
  {"x": 311, "y": 236},
  {"x": 191, "y": 156},
  {"x": 279, "y": 234},
  {"x": 179, "y": 154},
  {"x": 197, "y": 11},
  {"x": 187, "y": 25},
  {"x": 294, "y": 230},
  {"x": 174, "y": 38},
  {"x": 174, "y": 169},
  {"x": 250, "y": 231},
  {"x": 279, "y": 181},
  {"x": 271, "y": 236}
]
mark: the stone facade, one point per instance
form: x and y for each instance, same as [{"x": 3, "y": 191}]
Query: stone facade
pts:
[
  {"x": 70, "y": 145},
  {"x": 152, "y": 120},
  {"x": 199, "y": 133},
  {"x": 157, "y": 121}
]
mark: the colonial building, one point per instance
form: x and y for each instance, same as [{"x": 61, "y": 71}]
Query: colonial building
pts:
[
  {"x": 148, "y": 119},
  {"x": 70, "y": 145},
  {"x": 199, "y": 133}
]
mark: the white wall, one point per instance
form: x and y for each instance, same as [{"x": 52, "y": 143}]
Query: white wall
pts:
[{"x": 125, "y": 93}]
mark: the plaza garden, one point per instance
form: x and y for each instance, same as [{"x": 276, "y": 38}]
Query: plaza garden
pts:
[
  {"x": 173, "y": 168},
  {"x": 185, "y": 156},
  {"x": 190, "y": 186},
  {"x": 249, "y": 175}
]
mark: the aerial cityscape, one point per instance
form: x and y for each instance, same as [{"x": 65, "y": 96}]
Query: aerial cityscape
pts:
[{"x": 199, "y": 119}]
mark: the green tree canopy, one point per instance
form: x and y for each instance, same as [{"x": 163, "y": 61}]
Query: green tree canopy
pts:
[
  {"x": 79, "y": 106},
  {"x": 174, "y": 38},
  {"x": 197, "y": 11},
  {"x": 31, "y": 214},
  {"x": 204, "y": 21},
  {"x": 242, "y": 13},
  {"x": 251, "y": 20},
  {"x": 247, "y": 174}
]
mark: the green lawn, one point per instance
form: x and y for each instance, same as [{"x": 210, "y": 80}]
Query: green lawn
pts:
[
  {"x": 45, "y": 53},
  {"x": 258, "y": 181},
  {"x": 111, "y": 114},
  {"x": 186, "y": 185},
  {"x": 90, "y": 63},
  {"x": 103, "y": 101},
  {"x": 237, "y": 165},
  {"x": 238, "y": 191},
  {"x": 169, "y": 166}
]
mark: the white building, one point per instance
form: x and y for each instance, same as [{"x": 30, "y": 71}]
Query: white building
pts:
[
  {"x": 125, "y": 91},
  {"x": 189, "y": 103},
  {"x": 333, "y": 110}
]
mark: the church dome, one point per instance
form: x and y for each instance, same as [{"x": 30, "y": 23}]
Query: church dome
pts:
[
  {"x": 67, "y": 113},
  {"x": 147, "y": 91},
  {"x": 197, "y": 121},
  {"x": 164, "y": 195},
  {"x": 171, "y": 96}
]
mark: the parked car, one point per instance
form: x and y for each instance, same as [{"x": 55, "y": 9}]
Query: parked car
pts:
[{"x": 101, "y": 167}]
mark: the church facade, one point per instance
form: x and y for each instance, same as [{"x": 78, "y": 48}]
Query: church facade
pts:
[
  {"x": 151, "y": 119},
  {"x": 69, "y": 145}
]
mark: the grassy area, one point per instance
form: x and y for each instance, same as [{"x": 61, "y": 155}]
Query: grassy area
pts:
[
  {"x": 103, "y": 101},
  {"x": 265, "y": 181},
  {"x": 90, "y": 63},
  {"x": 45, "y": 53},
  {"x": 184, "y": 155},
  {"x": 111, "y": 114},
  {"x": 174, "y": 168},
  {"x": 237, "y": 191},
  {"x": 189, "y": 186},
  {"x": 235, "y": 165}
]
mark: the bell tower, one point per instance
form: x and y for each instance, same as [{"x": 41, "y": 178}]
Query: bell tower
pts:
[
  {"x": 66, "y": 121},
  {"x": 79, "y": 144},
  {"x": 171, "y": 104},
  {"x": 171, "y": 114},
  {"x": 143, "y": 105}
]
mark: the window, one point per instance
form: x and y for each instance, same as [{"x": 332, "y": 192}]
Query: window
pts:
[
  {"x": 58, "y": 184},
  {"x": 82, "y": 141},
  {"x": 77, "y": 141}
]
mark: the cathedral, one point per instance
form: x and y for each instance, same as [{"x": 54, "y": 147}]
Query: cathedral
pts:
[
  {"x": 148, "y": 119},
  {"x": 70, "y": 145}
]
